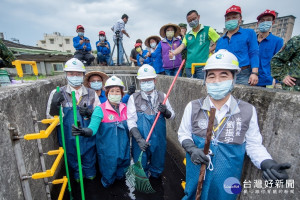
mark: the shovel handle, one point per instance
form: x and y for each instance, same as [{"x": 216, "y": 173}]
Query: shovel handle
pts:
[
  {"x": 164, "y": 102},
  {"x": 206, "y": 149}
]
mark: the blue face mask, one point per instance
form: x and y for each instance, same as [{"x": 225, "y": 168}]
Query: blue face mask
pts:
[
  {"x": 80, "y": 34},
  {"x": 219, "y": 90},
  {"x": 231, "y": 24},
  {"x": 96, "y": 85},
  {"x": 265, "y": 26},
  {"x": 75, "y": 80},
  {"x": 147, "y": 86}
]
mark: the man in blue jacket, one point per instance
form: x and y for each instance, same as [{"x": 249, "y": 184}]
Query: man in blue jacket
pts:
[
  {"x": 83, "y": 47},
  {"x": 243, "y": 44},
  {"x": 269, "y": 45}
]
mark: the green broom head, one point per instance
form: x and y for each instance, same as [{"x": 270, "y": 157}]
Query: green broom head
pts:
[{"x": 137, "y": 178}]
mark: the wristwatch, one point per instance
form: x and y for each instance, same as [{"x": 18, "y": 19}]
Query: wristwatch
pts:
[{"x": 256, "y": 73}]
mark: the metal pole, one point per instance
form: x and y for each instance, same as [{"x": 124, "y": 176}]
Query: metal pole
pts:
[
  {"x": 112, "y": 53},
  {"x": 125, "y": 53},
  {"x": 78, "y": 146},
  {"x": 21, "y": 166},
  {"x": 118, "y": 48}
]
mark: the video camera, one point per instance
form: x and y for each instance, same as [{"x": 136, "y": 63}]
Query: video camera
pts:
[{"x": 118, "y": 33}]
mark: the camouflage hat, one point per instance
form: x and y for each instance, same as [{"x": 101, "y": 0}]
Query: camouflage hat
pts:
[{"x": 182, "y": 25}]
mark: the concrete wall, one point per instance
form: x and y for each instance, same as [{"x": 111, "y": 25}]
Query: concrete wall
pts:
[
  {"x": 278, "y": 112},
  {"x": 279, "y": 121},
  {"x": 17, "y": 104}
]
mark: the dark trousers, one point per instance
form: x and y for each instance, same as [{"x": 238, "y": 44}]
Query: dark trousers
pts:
[{"x": 84, "y": 56}]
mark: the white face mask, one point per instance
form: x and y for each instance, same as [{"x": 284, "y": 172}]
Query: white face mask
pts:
[
  {"x": 75, "y": 80},
  {"x": 102, "y": 38},
  {"x": 153, "y": 45},
  {"x": 114, "y": 98},
  {"x": 147, "y": 86}
]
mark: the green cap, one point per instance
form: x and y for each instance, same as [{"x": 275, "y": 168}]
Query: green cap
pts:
[{"x": 182, "y": 25}]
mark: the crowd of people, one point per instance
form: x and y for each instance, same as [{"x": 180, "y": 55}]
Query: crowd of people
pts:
[
  {"x": 109, "y": 118},
  {"x": 166, "y": 52}
]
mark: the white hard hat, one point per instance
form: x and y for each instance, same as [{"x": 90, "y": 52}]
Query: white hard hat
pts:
[
  {"x": 222, "y": 59},
  {"x": 74, "y": 65},
  {"x": 146, "y": 71},
  {"x": 114, "y": 81}
]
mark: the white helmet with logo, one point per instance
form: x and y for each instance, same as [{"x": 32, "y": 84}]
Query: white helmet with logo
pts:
[
  {"x": 146, "y": 71},
  {"x": 74, "y": 65},
  {"x": 223, "y": 59},
  {"x": 114, "y": 81}
]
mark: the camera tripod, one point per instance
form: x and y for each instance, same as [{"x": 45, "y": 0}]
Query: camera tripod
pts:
[{"x": 112, "y": 53}]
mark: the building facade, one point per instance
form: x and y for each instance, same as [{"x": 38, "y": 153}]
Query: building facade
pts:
[
  {"x": 283, "y": 27},
  {"x": 57, "y": 42}
]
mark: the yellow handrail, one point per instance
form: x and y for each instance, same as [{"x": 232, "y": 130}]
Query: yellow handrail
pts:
[
  {"x": 44, "y": 133},
  {"x": 63, "y": 181},
  {"x": 50, "y": 172},
  {"x": 196, "y": 64},
  {"x": 18, "y": 64}
]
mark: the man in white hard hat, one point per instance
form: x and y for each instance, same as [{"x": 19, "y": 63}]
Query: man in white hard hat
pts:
[
  {"x": 142, "y": 108},
  {"x": 235, "y": 133},
  {"x": 87, "y": 100}
]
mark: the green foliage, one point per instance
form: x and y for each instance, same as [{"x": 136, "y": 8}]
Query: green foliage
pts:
[{"x": 30, "y": 77}]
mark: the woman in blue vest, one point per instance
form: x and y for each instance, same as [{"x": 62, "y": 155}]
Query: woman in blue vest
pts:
[
  {"x": 87, "y": 100},
  {"x": 112, "y": 139},
  {"x": 156, "y": 59}
]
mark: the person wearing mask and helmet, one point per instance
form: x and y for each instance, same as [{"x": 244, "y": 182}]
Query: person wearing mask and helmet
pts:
[
  {"x": 235, "y": 133},
  {"x": 142, "y": 109},
  {"x": 86, "y": 101},
  {"x": 109, "y": 124}
]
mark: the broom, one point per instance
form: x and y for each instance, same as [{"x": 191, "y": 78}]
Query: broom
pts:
[{"x": 135, "y": 174}]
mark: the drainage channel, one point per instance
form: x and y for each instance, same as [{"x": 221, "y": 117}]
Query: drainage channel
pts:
[{"x": 168, "y": 187}]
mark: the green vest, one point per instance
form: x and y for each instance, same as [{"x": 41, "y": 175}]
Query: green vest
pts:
[{"x": 197, "y": 48}]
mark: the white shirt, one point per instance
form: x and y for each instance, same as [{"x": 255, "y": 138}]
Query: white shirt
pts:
[
  {"x": 254, "y": 148},
  {"x": 131, "y": 111},
  {"x": 96, "y": 102},
  {"x": 120, "y": 25}
]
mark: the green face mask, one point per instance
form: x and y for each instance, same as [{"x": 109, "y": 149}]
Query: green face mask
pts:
[
  {"x": 138, "y": 49},
  {"x": 114, "y": 98}
]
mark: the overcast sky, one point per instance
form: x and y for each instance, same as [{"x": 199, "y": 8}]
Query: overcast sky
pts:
[{"x": 28, "y": 20}]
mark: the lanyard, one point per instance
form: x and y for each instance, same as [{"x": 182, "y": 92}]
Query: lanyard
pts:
[
  {"x": 215, "y": 129},
  {"x": 79, "y": 101}
]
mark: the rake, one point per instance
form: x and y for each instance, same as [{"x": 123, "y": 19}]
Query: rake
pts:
[{"x": 135, "y": 174}]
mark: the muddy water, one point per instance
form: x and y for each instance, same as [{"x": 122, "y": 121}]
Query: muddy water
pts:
[{"x": 168, "y": 187}]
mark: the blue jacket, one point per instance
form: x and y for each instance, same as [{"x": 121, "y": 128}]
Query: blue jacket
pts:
[
  {"x": 156, "y": 61},
  {"x": 79, "y": 46},
  {"x": 268, "y": 47},
  {"x": 146, "y": 60},
  {"x": 104, "y": 50},
  {"x": 243, "y": 44}
]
